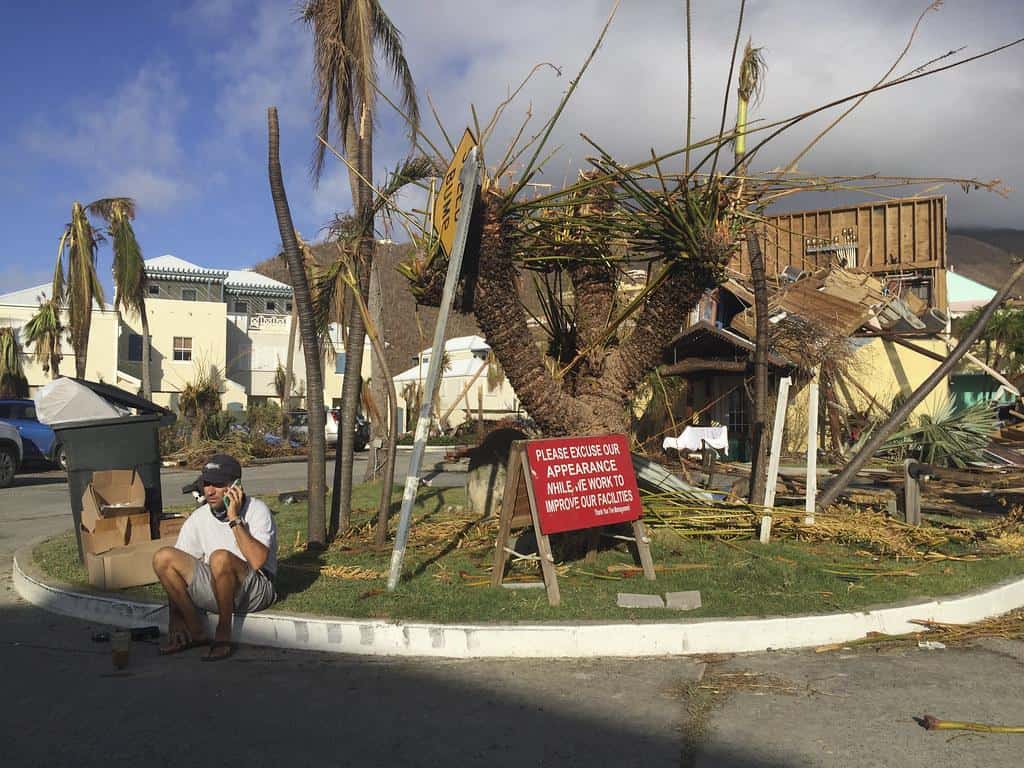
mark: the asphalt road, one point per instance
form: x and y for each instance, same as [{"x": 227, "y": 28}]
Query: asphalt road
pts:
[{"x": 63, "y": 702}]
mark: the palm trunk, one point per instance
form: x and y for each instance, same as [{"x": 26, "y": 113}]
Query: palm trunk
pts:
[
  {"x": 759, "y": 437},
  {"x": 310, "y": 348},
  {"x": 286, "y": 396},
  {"x": 362, "y": 159},
  {"x": 900, "y": 414},
  {"x": 380, "y": 379}
]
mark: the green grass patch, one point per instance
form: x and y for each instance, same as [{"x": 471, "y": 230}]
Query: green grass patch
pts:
[{"x": 442, "y": 573}]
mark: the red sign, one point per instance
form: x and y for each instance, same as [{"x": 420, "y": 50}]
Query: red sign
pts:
[{"x": 582, "y": 482}]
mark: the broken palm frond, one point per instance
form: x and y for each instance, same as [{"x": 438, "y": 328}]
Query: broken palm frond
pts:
[
  {"x": 352, "y": 572},
  {"x": 753, "y": 682},
  {"x": 1009, "y": 626},
  {"x": 932, "y": 723},
  {"x": 945, "y": 436}
]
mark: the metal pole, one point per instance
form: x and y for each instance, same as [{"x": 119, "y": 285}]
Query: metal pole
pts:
[{"x": 468, "y": 177}]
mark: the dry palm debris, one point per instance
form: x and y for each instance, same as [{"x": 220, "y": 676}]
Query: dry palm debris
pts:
[
  {"x": 351, "y": 572},
  {"x": 1009, "y": 626}
]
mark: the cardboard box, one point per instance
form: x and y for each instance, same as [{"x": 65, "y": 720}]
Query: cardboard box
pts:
[
  {"x": 111, "y": 532},
  {"x": 112, "y": 493},
  {"x": 130, "y": 566},
  {"x": 171, "y": 526}
]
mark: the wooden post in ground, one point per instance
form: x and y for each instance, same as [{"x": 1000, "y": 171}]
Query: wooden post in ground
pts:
[
  {"x": 812, "y": 450},
  {"x": 911, "y": 494}
]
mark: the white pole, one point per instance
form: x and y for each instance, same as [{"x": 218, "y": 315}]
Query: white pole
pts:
[
  {"x": 780, "y": 422},
  {"x": 469, "y": 178},
  {"x": 812, "y": 450}
]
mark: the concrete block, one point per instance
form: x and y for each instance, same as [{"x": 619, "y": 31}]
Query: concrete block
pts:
[
  {"x": 629, "y": 600},
  {"x": 683, "y": 601}
]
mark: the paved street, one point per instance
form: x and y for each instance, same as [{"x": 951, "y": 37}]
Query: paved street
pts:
[{"x": 64, "y": 703}]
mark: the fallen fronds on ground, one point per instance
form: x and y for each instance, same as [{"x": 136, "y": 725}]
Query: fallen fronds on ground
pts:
[
  {"x": 238, "y": 444},
  {"x": 871, "y": 530},
  {"x": 1009, "y": 626}
]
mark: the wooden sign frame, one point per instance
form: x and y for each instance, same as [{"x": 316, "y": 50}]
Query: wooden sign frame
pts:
[{"x": 519, "y": 510}]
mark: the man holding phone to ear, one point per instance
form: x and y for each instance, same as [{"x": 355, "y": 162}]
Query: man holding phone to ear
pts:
[{"x": 223, "y": 562}]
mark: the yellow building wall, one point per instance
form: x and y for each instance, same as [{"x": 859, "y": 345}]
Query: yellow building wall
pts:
[
  {"x": 101, "y": 357},
  {"x": 205, "y": 322},
  {"x": 883, "y": 368}
]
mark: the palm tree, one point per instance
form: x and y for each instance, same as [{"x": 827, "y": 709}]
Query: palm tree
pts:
[
  {"x": 12, "y": 375},
  {"x": 749, "y": 86},
  {"x": 129, "y": 270},
  {"x": 316, "y": 522},
  {"x": 346, "y": 37},
  {"x": 81, "y": 287},
  {"x": 44, "y": 332}
]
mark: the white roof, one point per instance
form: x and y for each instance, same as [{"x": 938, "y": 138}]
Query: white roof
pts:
[
  {"x": 461, "y": 344},
  {"x": 168, "y": 264},
  {"x": 26, "y": 297},
  {"x": 467, "y": 366},
  {"x": 243, "y": 279},
  {"x": 30, "y": 297}
]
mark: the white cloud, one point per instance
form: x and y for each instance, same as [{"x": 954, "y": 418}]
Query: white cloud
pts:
[{"x": 127, "y": 144}]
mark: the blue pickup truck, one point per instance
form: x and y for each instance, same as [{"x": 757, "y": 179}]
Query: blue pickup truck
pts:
[{"x": 40, "y": 443}]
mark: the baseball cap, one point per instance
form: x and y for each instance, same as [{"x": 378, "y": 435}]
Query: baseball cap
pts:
[{"x": 221, "y": 469}]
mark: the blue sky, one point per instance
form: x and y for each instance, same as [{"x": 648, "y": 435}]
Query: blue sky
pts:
[{"x": 165, "y": 102}]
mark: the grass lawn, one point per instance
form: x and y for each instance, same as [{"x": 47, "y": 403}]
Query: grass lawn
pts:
[{"x": 450, "y": 554}]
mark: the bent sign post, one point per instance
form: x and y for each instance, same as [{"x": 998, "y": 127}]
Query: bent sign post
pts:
[{"x": 568, "y": 484}]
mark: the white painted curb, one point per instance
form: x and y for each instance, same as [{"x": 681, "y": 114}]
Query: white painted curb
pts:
[{"x": 580, "y": 640}]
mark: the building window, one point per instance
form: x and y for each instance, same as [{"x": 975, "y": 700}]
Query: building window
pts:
[
  {"x": 135, "y": 348},
  {"x": 287, "y": 306},
  {"x": 154, "y": 290},
  {"x": 271, "y": 306},
  {"x": 241, "y": 308},
  {"x": 189, "y": 294},
  {"x": 182, "y": 348},
  {"x": 339, "y": 362}
]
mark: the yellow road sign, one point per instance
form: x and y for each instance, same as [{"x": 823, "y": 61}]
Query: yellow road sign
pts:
[{"x": 449, "y": 197}]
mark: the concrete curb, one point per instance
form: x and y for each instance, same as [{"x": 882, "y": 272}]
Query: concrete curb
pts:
[{"x": 578, "y": 640}]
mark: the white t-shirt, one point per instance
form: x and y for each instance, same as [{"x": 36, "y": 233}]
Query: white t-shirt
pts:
[{"x": 203, "y": 533}]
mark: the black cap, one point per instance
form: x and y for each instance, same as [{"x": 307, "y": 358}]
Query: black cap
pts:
[{"x": 221, "y": 469}]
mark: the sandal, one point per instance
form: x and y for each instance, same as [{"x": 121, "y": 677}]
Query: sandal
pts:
[
  {"x": 226, "y": 646},
  {"x": 181, "y": 641}
]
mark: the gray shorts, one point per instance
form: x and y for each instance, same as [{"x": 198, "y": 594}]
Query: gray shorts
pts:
[{"x": 255, "y": 593}]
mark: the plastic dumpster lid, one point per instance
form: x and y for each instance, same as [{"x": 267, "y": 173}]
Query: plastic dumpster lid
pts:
[{"x": 125, "y": 399}]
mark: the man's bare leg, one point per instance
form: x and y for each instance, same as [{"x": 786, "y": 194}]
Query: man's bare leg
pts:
[
  {"x": 174, "y": 569},
  {"x": 228, "y": 572}
]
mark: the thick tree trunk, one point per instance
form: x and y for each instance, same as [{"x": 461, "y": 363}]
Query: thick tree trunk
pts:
[
  {"x": 147, "y": 353},
  {"x": 758, "y": 427},
  {"x": 310, "y": 347},
  {"x": 341, "y": 500}
]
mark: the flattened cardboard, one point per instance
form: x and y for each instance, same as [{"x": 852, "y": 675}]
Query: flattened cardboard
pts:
[
  {"x": 130, "y": 566},
  {"x": 112, "y": 493},
  {"x": 113, "y": 532}
]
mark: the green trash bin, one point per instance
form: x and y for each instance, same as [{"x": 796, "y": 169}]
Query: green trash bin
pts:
[{"x": 125, "y": 442}]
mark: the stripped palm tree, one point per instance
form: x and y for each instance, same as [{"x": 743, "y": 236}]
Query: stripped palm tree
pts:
[
  {"x": 129, "y": 270},
  {"x": 43, "y": 331},
  {"x": 347, "y": 35},
  {"x": 750, "y": 85},
  {"x": 12, "y": 374},
  {"x": 80, "y": 288}
]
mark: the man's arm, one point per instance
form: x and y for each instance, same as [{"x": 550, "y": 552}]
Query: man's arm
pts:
[{"x": 255, "y": 551}]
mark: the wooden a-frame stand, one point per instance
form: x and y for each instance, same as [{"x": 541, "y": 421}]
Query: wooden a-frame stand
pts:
[{"x": 519, "y": 510}]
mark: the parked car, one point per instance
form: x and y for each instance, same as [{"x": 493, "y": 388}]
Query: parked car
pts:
[
  {"x": 40, "y": 443},
  {"x": 10, "y": 453},
  {"x": 300, "y": 427}
]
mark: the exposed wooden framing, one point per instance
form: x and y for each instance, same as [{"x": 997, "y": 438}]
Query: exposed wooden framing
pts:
[{"x": 696, "y": 364}]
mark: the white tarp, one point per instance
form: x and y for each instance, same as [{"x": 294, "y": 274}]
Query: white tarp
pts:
[
  {"x": 64, "y": 400},
  {"x": 693, "y": 439}
]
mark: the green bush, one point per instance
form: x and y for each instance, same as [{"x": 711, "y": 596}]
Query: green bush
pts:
[{"x": 264, "y": 417}]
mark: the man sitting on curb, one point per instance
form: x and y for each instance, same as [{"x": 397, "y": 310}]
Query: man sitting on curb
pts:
[{"x": 223, "y": 562}]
